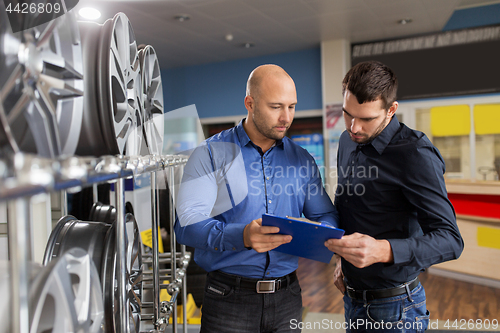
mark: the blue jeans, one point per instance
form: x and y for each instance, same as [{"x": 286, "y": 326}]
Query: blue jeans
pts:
[
  {"x": 243, "y": 310},
  {"x": 392, "y": 314}
]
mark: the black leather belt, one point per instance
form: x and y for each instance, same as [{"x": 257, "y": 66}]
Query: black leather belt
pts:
[
  {"x": 265, "y": 286},
  {"x": 370, "y": 295}
]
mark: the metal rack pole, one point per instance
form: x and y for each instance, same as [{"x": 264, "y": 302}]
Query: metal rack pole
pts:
[
  {"x": 155, "y": 250},
  {"x": 184, "y": 293},
  {"x": 173, "y": 242},
  {"x": 30, "y": 245},
  {"x": 121, "y": 250},
  {"x": 18, "y": 224},
  {"x": 184, "y": 281},
  {"x": 95, "y": 195},
  {"x": 64, "y": 203}
]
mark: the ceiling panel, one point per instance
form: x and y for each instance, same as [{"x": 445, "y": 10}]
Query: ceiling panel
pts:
[
  {"x": 294, "y": 10},
  {"x": 272, "y": 25},
  {"x": 329, "y": 6},
  {"x": 224, "y": 8}
]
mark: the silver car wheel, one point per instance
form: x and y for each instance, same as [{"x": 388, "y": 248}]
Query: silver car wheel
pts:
[
  {"x": 113, "y": 80},
  {"x": 152, "y": 96},
  {"x": 41, "y": 85}
]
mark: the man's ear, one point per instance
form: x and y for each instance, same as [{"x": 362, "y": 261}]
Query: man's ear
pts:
[
  {"x": 249, "y": 103},
  {"x": 392, "y": 109}
]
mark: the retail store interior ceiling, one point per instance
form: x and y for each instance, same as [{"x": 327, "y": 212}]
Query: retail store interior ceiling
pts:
[{"x": 218, "y": 30}]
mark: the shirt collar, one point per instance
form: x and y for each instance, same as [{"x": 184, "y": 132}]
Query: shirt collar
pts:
[
  {"x": 383, "y": 139},
  {"x": 242, "y": 135},
  {"x": 244, "y": 139}
]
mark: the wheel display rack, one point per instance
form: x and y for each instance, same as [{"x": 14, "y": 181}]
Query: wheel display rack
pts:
[
  {"x": 70, "y": 91},
  {"x": 24, "y": 175}
]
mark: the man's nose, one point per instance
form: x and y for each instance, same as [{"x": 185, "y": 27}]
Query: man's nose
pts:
[
  {"x": 355, "y": 125},
  {"x": 286, "y": 116}
]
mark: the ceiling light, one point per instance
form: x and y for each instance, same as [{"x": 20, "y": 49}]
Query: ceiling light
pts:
[
  {"x": 182, "y": 17},
  {"x": 248, "y": 45},
  {"x": 405, "y": 21},
  {"x": 89, "y": 13},
  {"x": 229, "y": 37}
]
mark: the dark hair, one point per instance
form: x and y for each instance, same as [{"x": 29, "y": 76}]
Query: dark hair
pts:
[{"x": 371, "y": 80}]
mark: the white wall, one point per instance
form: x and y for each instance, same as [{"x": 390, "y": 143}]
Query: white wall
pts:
[{"x": 335, "y": 62}]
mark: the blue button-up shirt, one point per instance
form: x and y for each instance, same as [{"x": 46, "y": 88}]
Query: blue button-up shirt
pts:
[
  {"x": 228, "y": 182},
  {"x": 393, "y": 188}
]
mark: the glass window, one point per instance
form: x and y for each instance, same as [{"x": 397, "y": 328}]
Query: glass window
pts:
[
  {"x": 449, "y": 128},
  {"x": 488, "y": 156},
  {"x": 455, "y": 149},
  {"x": 487, "y": 128},
  {"x": 455, "y": 152}
]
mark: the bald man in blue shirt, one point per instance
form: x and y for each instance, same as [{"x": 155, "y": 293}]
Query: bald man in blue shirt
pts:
[{"x": 229, "y": 182}]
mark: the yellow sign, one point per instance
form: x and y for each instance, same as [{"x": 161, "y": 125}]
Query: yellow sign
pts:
[
  {"x": 147, "y": 239},
  {"x": 164, "y": 295},
  {"x": 487, "y": 119},
  {"x": 453, "y": 120},
  {"x": 488, "y": 237}
]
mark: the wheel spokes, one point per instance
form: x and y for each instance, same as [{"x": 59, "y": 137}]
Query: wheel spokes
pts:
[
  {"x": 47, "y": 33},
  {"x": 125, "y": 86},
  {"x": 153, "y": 100},
  {"x": 67, "y": 296},
  {"x": 44, "y": 81}
]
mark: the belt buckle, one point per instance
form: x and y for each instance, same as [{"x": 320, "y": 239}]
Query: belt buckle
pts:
[{"x": 266, "y": 286}]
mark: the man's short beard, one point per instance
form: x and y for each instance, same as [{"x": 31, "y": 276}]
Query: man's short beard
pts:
[
  {"x": 377, "y": 133},
  {"x": 267, "y": 133}
]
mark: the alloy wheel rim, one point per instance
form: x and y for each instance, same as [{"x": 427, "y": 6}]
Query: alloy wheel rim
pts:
[
  {"x": 41, "y": 84},
  {"x": 152, "y": 96}
]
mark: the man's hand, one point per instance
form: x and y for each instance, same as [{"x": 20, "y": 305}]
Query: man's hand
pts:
[
  {"x": 361, "y": 250},
  {"x": 338, "y": 276},
  {"x": 263, "y": 239}
]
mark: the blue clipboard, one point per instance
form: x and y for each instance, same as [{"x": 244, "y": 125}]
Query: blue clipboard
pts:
[{"x": 308, "y": 236}]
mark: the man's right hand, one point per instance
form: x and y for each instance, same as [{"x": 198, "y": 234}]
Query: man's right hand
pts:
[
  {"x": 338, "y": 276},
  {"x": 263, "y": 238}
]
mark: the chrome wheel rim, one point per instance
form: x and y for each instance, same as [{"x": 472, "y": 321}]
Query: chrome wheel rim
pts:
[
  {"x": 41, "y": 82},
  {"x": 34, "y": 269},
  {"x": 125, "y": 86},
  {"x": 67, "y": 296},
  {"x": 102, "y": 213},
  {"x": 152, "y": 97},
  {"x": 70, "y": 233},
  {"x": 113, "y": 78},
  {"x": 133, "y": 278}
]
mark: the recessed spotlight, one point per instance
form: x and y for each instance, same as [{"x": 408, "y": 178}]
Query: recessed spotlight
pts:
[
  {"x": 89, "y": 13},
  {"x": 182, "y": 17},
  {"x": 405, "y": 21},
  {"x": 229, "y": 37},
  {"x": 248, "y": 45}
]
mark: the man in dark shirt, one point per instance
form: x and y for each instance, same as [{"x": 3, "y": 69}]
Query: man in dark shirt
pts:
[{"x": 392, "y": 202}]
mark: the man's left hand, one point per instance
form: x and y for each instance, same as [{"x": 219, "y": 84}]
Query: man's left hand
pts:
[{"x": 361, "y": 250}]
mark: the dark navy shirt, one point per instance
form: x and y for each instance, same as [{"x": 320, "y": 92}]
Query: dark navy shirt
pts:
[
  {"x": 393, "y": 188},
  {"x": 228, "y": 182}
]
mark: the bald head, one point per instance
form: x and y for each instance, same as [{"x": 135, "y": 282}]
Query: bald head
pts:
[
  {"x": 270, "y": 101},
  {"x": 261, "y": 76}
]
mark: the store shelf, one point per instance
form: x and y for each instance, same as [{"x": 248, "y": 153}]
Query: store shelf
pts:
[
  {"x": 23, "y": 176},
  {"x": 473, "y": 186}
]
